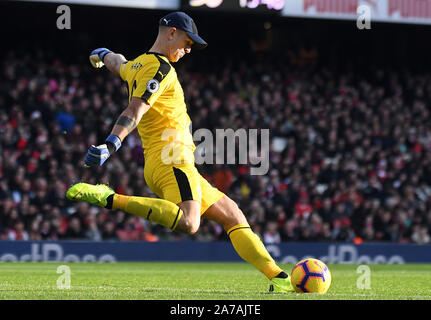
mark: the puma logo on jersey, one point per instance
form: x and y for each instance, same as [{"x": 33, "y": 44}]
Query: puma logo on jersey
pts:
[{"x": 163, "y": 75}]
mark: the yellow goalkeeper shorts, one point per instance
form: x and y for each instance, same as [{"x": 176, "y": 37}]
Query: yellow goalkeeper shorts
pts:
[{"x": 179, "y": 182}]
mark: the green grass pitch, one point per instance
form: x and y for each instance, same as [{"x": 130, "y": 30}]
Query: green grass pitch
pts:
[{"x": 206, "y": 281}]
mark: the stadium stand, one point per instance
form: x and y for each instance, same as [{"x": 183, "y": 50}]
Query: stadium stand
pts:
[{"x": 350, "y": 153}]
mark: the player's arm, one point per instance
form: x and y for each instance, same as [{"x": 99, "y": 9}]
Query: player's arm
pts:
[
  {"x": 130, "y": 117},
  {"x": 102, "y": 56},
  {"x": 126, "y": 123}
]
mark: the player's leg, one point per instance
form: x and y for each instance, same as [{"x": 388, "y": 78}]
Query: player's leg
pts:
[
  {"x": 247, "y": 244},
  {"x": 244, "y": 240},
  {"x": 179, "y": 189},
  {"x": 160, "y": 211},
  {"x": 184, "y": 217}
]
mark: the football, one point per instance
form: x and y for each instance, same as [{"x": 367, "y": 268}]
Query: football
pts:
[{"x": 311, "y": 276}]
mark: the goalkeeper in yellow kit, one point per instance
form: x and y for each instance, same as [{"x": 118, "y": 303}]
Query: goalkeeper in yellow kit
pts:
[{"x": 158, "y": 110}]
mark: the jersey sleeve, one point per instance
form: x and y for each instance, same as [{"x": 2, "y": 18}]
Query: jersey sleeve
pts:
[{"x": 152, "y": 80}]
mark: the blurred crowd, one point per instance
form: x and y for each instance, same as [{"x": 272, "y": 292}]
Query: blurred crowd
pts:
[{"x": 350, "y": 151}]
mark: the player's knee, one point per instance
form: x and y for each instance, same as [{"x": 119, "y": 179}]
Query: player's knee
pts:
[
  {"x": 190, "y": 226},
  {"x": 191, "y": 219}
]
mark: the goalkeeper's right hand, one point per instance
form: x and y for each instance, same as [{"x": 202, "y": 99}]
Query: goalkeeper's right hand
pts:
[
  {"x": 96, "y": 57},
  {"x": 96, "y": 156}
]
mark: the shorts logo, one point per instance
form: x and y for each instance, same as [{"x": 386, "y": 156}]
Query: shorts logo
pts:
[{"x": 153, "y": 85}]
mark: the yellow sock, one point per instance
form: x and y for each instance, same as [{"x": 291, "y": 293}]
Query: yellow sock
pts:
[
  {"x": 160, "y": 211},
  {"x": 251, "y": 249}
]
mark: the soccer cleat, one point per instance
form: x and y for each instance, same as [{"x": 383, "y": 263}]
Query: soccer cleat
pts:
[
  {"x": 93, "y": 194},
  {"x": 281, "y": 285}
]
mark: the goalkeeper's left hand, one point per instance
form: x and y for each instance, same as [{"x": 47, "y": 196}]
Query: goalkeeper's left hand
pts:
[{"x": 97, "y": 56}]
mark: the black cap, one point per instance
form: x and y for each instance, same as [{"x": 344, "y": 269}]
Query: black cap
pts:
[{"x": 182, "y": 21}]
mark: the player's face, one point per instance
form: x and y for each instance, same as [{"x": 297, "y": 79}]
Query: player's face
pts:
[{"x": 181, "y": 45}]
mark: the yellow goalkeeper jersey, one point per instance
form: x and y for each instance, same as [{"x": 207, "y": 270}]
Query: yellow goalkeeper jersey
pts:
[{"x": 165, "y": 127}]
